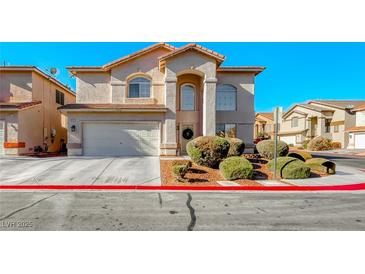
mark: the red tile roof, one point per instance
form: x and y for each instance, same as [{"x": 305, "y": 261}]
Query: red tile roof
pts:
[
  {"x": 219, "y": 57},
  {"x": 355, "y": 129},
  {"x": 17, "y": 105}
]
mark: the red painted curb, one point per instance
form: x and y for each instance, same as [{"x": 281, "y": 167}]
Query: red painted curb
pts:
[{"x": 360, "y": 186}]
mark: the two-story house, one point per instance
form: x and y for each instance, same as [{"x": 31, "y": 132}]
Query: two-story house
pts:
[
  {"x": 357, "y": 133},
  {"x": 29, "y": 117},
  {"x": 264, "y": 124},
  {"x": 152, "y": 102},
  {"x": 328, "y": 118}
]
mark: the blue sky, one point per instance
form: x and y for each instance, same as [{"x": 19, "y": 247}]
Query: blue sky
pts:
[{"x": 295, "y": 71}]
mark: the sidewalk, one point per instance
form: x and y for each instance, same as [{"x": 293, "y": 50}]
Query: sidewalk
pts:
[{"x": 339, "y": 152}]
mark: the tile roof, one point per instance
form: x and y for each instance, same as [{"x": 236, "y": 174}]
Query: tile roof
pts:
[
  {"x": 268, "y": 115},
  {"x": 17, "y": 105},
  {"x": 360, "y": 107},
  {"x": 339, "y": 103},
  {"x": 256, "y": 69},
  {"x": 192, "y": 46},
  {"x": 138, "y": 107},
  {"x": 355, "y": 129}
]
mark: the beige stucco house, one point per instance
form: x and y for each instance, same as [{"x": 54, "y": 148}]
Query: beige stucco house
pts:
[
  {"x": 357, "y": 133},
  {"x": 328, "y": 118},
  {"x": 29, "y": 117},
  {"x": 152, "y": 102},
  {"x": 264, "y": 124}
]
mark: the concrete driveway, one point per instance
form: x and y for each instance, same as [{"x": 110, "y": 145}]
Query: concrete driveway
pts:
[{"x": 80, "y": 171}]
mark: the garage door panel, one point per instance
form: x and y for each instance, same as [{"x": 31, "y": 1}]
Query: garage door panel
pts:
[
  {"x": 288, "y": 139},
  {"x": 118, "y": 139},
  {"x": 360, "y": 140}
]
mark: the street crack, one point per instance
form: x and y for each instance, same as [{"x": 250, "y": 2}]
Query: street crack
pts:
[
  {"x": 192, "y": 213},
  {"x": 26, "y": 207},
  {"x": 160, "y": 199}
]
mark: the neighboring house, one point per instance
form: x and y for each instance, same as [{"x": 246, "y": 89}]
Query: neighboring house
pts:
[
  {"x": 29, "y": 118},
  {"x": 328, "y": 118},
  {"x": 357, "y": 133},
  {"x": 264, "y": 124},
  {"x": 152, "y": 102}
]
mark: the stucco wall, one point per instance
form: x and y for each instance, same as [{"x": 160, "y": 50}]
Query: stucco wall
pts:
[
  {"x": 15, "y": 86},
  {"x": 93, "y": 88},
  {"x": 11, "y": 130},
  {"x": 360, "y": 118}
]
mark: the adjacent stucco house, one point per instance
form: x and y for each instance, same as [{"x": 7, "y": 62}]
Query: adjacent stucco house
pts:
[
  {"x": 264, "y": 124},
  {"x": 29, "y": 117},
  {"x": 328, "y": 118},
  {"x": 152, "y": 102},
  {"x": 357, "y": 133}
]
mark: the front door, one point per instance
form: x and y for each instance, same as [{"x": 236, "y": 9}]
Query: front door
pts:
[{"x": 186, "y": 134}]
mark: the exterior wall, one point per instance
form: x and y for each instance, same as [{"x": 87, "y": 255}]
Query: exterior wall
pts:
[
  {"x": 77, "y": 118},
  {"x": 15, "y": 86},
  {"x": 244, "y": 116},
  {"x": 11, "y": 130},
  {"x": 93, "y": 87},
  {"x": 260, "y": 121},
  {"x": 360, "y": 118}
]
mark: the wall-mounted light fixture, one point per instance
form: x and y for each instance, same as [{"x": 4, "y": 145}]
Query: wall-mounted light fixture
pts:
[{"x": 73, "y": 128}]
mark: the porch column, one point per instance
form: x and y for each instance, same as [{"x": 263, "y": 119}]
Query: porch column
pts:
[
  {"x": 209, "y": 111},
  {"x": 169, "y": 141},
  {"x": 309, "y": 127},
  {"x": 321, "y": 126}
]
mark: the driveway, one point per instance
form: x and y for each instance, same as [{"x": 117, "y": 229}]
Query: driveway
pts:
[{"x": 80, "y": 171}]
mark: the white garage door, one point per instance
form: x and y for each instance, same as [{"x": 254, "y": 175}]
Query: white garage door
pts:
[
  {"x": 2, "y": 134},
  {"x": 121, "y": 139},
  {"x": 288, "y": 139},
  {"x": 360, "y": 140}
]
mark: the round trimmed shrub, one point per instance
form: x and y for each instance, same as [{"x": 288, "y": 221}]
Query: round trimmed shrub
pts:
[
  {"x": 236, "y": 167},
  {"x": 208, "y": 150},
  {"x": 321, "y": 165},
  {"x": 301, "y": 155},
  {"x": 320, "y": 143},
  {"x": 266, "y": 149},
  {"x": 290, "y": 168},
  {"x": 236, "y": 147}
]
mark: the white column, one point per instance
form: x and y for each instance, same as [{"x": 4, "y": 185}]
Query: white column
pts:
[
  {"x": 170, "y": 118},
  {"x": 209, "y": 111}
]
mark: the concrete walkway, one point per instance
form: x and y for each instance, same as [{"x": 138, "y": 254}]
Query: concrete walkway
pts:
[
  {"x": 80, "y": 171},
  {"x": 344, "y": 176}
]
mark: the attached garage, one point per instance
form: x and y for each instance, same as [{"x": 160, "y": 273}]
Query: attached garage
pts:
[
  {"x": 121, "y": 139},
  {"x": 359, "y": 140},
  {"x": 290, "y": 139}
]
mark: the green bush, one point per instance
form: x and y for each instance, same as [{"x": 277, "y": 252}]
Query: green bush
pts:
[
  {"x": 182, "y": 162},
  {"x": 236, "y": 167},
  {"x": 301, "y": 155},
  {"x": 319, "y": 144},
  {"x": 266, "y": 149},
  {"x": 321, "y": 165},
  {"x": 179, "y": 171},
  {"x": 236, "y": 147},
  {"x": 208, "y": 150},
  {"x": 305, "y": 144},
  {"x": 290, "y": 168}
]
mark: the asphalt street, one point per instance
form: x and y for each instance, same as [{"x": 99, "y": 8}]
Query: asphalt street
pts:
[
  {"x": 182, "y": 211},
  {"x": 351, "y": 161}
]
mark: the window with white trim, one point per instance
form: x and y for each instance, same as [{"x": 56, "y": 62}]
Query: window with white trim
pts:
[
  {"x": 294, "y": 122},
  {"x": 139, "y": 87},
  {"x": 187, "y": 97},
  {"x": 226, "y": 98}
]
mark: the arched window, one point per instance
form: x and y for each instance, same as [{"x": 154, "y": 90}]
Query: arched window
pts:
[
  {"x": 187, "y": 97},
  {"x": 226, "y": 97},
  {"x": 139, "y": 87}
]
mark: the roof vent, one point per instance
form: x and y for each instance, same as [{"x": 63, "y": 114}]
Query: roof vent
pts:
[{"x": 349, "y": 106}]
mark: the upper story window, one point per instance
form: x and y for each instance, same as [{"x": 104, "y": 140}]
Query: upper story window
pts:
[
  {"x": 327, "y": 125},
  {"x": 139, "y": 87},
  {"x": 60, "y": 97},
  {"x": 226, "y": 98},
  {"x": 187, "y": 97},
  {"x": 294, "y": 122}
]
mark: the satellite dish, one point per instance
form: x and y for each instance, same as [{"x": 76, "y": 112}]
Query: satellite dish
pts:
[
  {"x": 349, "y": 106},
  {"x": 53, "y": 71}
]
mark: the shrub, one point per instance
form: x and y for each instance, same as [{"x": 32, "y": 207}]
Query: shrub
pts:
[
  {"x": 305, "y": 144},
  {"x": 236, "y": 168},
  {"x": 179, "y": 171},
  {"x": 301, "y": 155},
  {"x": 290, "y": 168},
  {"x": 208, "y": 150},
  {"x": 182, "y": 162},
  {"x": 320, "y": 143},
  {"x": 236, "y": 147},
  {"x": 336, "y": 145},
  {"x": 321, "y": 165},
  {"x": 266, "y": 149}
]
